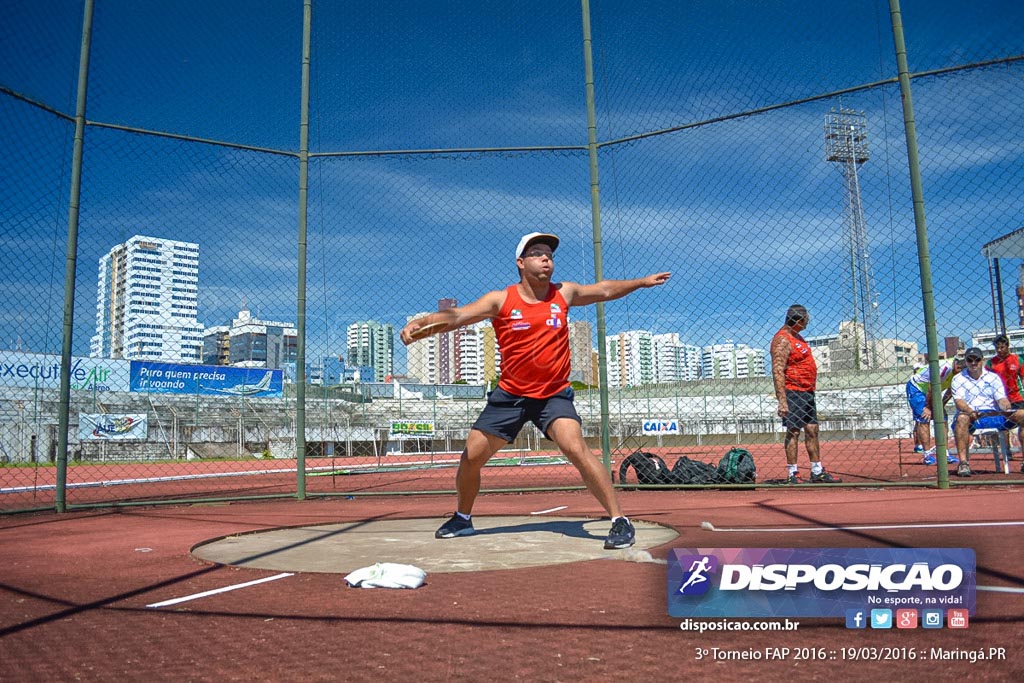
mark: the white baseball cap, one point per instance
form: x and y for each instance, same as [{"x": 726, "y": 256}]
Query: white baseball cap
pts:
[{"x": 533, "y": 237}]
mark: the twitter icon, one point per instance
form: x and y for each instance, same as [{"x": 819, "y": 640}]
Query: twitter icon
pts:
[{"x": 881, "y": 618}]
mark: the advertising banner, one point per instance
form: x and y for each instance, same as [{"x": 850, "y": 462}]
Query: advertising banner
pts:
[
  {"x": 819, "y": 582},
  {"x": 405, "y": 429},
  {"x": 207, "y": 380},
  {"x": 112, "y": 427},
  {"x": 42, "y": 371},
  {"x": 653, "y": 427}
]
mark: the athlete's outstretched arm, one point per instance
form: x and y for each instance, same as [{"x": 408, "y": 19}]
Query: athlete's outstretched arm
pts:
[
  {"x": 485, "y": 307},
  {"x": 607, "y": 290}
]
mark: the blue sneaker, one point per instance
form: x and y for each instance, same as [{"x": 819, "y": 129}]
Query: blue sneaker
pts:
[
  {"x": 929, "y": 459},
  {"x": 952, "y": 459},
  {"x": 919, "y": 450},
  {"x": 622, "y": 535},
  {"x": 456, "y": 526}
]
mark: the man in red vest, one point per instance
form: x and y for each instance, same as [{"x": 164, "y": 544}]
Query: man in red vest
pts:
[
  {"x": 1008, "y": 366},
  {"x": 530, "y": 321},
  {"x": 795, "y": 375}
]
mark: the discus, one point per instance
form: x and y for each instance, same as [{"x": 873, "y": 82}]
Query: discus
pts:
[{"x": 427, "y": 330}]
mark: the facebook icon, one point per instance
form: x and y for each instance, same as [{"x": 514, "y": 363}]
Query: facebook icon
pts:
[{"x": 856, "y": 618}]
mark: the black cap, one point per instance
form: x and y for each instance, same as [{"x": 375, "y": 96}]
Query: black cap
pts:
[{"x": 974, "y": 353}]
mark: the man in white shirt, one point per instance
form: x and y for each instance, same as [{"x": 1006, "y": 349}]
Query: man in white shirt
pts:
[{"x": 981, "y": 403}]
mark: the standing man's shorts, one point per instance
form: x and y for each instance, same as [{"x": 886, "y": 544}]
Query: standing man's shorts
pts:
[
  {"x": 505, "y": 413},
  {"x": 918, "y": 402},
  {"x": 802, "y": 410}
]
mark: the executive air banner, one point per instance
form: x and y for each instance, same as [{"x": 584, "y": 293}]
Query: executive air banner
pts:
[
  {"x": 42, "y": 371},
  {"x": 207, "y": 380}
]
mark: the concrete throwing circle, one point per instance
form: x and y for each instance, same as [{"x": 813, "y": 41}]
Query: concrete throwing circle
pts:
[{"x": 499, "y": 543}]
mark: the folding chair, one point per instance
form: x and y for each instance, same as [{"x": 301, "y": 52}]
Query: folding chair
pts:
[{"x": 1000, "y": 446}]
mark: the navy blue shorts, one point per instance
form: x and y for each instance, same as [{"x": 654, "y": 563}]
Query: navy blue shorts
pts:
[
  {"x": 802, "y": 410},
  {"x": 505, "y": 413}
]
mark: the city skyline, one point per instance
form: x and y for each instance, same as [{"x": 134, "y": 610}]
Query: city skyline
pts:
[
  {"x": 147, "y": 282},
  {"x": 740, "y": 201}
]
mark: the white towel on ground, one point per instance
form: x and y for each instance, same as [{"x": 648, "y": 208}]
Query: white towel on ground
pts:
[{"x": 387, "y": 575}]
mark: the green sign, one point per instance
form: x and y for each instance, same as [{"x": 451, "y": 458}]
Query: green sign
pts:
[{"x": 406, "y": 428}]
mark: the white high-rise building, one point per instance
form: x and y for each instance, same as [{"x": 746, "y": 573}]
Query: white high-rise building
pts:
[
  {"x": 249, "y": 342},
  {"x": 146, "y": 302},
  {"x": 731, "y": 360},
  {"x": 630, "y": 358},
  {"x": 472, "y": 353},
  {"x": 371, "y": 344},
  {"x": 846, "y": 350},
  {"x": 675, "y": 361},
  {"x": 421, "y": 356}
]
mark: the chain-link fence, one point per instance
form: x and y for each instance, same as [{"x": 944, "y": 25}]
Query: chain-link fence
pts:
[{"x": 237, "y": 298}]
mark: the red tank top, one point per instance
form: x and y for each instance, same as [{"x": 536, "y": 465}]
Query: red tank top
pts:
[
  {"x": 1009, "y": 371},
  {"x": 801, "y": 370},
  {"x": 534, "y": 344}
]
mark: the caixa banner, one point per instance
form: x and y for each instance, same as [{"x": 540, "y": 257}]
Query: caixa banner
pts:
[
  {"x": 816, "y": 582},
  {"x": 655, "y": 426}
]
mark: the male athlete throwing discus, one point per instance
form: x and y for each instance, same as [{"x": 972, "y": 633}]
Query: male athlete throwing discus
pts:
[{"x": 530, "y": 321}]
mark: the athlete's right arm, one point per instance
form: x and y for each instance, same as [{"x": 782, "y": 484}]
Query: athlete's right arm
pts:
[
  {"x": 780, "y": 355},
  {"x": 487, "y": 306}
]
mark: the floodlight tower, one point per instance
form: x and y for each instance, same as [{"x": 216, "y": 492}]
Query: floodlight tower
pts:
[{"x": 846, "y": 143}]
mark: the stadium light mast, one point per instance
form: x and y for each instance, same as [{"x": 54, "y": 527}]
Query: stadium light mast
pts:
[{"x": 846, "y": 144}]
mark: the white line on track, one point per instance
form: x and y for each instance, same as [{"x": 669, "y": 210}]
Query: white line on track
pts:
[
  {"x": 544, "y": 512},
  {"x": 708, "y": 526},
  {"x": 225, "y": 589}
]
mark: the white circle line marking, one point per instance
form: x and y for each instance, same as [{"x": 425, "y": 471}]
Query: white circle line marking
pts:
[
  {"x": 708, "y": 526},
  {"x": 544, "y": 512},
  {"x": 225, "y": 589}
]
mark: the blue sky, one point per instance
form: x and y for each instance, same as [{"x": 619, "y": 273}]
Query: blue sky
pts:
[{"x": 746, "y": 212}]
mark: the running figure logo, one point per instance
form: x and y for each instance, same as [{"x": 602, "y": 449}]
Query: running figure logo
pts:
[{"x": 696, "y": 580}]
